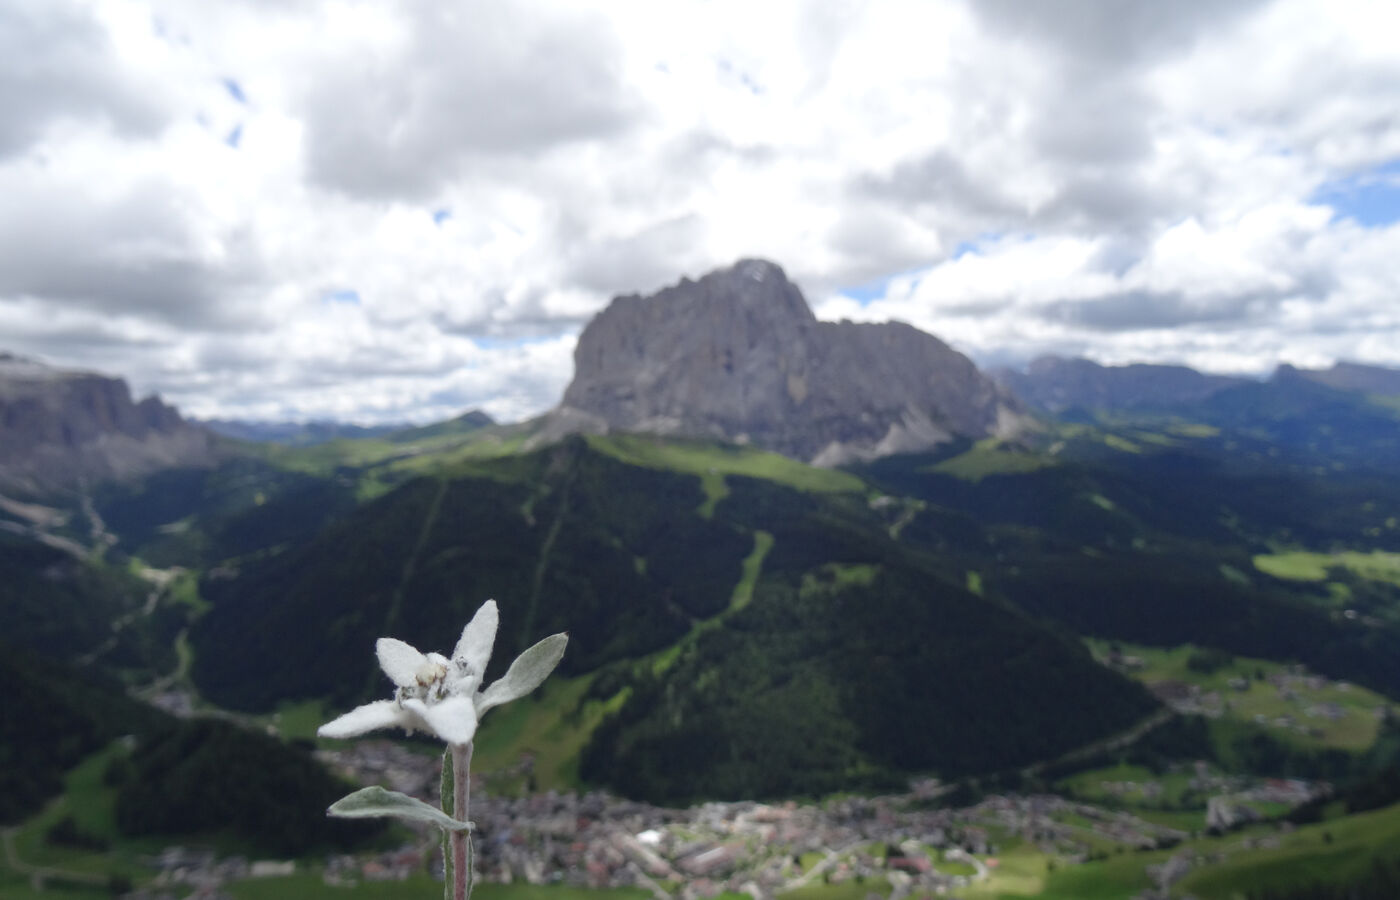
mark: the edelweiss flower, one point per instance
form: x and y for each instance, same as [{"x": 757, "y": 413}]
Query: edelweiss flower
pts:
[{"x": 437, "y": 694}]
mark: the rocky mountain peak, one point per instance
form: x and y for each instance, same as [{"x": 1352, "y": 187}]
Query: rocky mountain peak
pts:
[
  {"x": 729, "y": 321},
  {"x": 62, "y": 426},
  {"x": 760, "y": 286},
  {"x": 739, "y": 355}
]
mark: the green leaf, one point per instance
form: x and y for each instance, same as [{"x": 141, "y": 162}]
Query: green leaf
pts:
[
  {"x": 373, "y": 802},
  {"x": 528, "y": 671}
]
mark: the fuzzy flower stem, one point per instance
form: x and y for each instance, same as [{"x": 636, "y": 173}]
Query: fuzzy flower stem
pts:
[{"x": 461, "y": 798}]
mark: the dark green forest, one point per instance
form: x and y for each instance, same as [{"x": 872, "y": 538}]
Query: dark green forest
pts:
[
  {"x": 208, "y": 777},
  {"x": 828, "y": 686},
  {"x": 819, "y": 682},
  {"x": 62, "y": 607},
  {"x": 54, "y": 716}
]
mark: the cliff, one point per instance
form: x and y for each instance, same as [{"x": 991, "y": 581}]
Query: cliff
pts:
[
  {"x": 60, "y": 428},
  {"x": 738, "y": 355}
]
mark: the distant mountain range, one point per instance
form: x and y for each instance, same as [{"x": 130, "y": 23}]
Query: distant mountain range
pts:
[
  {"x": 736, "y": 355},
  {"x": 1349, "y": 376},
  {"x": 294, "y": 434},
  {"x": 1057, "y": 385},
  {"x": 742, "y": 623},
  {"x": 309, "y": 434}
]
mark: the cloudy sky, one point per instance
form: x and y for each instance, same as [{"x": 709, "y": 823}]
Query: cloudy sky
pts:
[{"x": 397, "y": 210}]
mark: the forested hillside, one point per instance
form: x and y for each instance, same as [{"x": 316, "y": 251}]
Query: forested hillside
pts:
[{"x": 814, "y": 651}]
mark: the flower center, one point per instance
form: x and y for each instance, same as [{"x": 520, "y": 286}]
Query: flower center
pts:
[
  {"x": 430, "y": 673},
  {"x": 430, "y": 681}
]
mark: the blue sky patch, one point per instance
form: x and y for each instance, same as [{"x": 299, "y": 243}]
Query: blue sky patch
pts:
[
  {"x": 346, "y": 297},
  {"x": 235, "y": 136},
  {"x": 1369, "y": 198},
  {"x": 441, "y": 215},
  {"x": 745, "y": 80},
  {"x": 865, "y": 294},
  {"x": 235, "y": 90},
  {"x": 976, "y": 244},
  {"x": 488, "y": 342},
  {"x": 871, "y": 291}
]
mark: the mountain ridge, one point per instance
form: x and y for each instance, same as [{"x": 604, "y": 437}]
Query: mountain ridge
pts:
[
  {"x": 62, "y": 427},
  {"x": 1058, "y": 384},
  {"x": 1351, "y": 376}
]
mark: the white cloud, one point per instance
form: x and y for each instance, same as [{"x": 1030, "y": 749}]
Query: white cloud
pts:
[
  {"x": 1137, "y": 183},
  {"x": 62, "y": 63}
]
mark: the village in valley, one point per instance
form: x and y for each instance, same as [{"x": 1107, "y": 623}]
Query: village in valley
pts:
[
  {"x": 928, "y": 841},
  {"x": 911, "y": 844}
]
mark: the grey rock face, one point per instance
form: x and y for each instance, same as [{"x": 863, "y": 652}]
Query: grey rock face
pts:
[
  {"x": 60, "y": 427},
  {"x": 1055, "y": 384},
  {"x": 739, "y": 355}
]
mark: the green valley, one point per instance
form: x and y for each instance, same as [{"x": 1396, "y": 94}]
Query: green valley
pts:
[{"x": 965, "y": 630}]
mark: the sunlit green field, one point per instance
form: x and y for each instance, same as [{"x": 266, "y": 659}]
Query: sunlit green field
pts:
[
  {"x": 991, "y": 457},
  {"x": 1020, "y": 872},
  {"x": 1355, "y": 728},
  {"x": 1090, "y": 786},
  {"x": 551, "y": 724},
  {"x": 300, "y": 719},
  {"x": 1302, "y": 565},
  {"x": 701, "y": 458},
  {"x": 1338, "y": 850},
  {"x": 1242, "y": 861},
  {"x": 846, "y": 890},
  {"x": 383, "y": 464}
]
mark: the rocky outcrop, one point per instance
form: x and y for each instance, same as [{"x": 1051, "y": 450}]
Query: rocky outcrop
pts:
[
  {"x": 738, "y": 355},
  {"x": 59, "y": 428},
  {"x": 1056, "y": 384}
]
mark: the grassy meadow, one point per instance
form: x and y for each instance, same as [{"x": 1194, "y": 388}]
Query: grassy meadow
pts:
[{"x": 1323, "y": 713}]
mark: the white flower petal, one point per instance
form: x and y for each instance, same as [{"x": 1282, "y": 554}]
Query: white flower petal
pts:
[
  {"x": 371, "y": 716},
  {"x": 466, "y": 684},
  {"x": 453, "y": 719},
  {"x": 399, "y": 661},
  {"x": 475, "y": 644}
]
